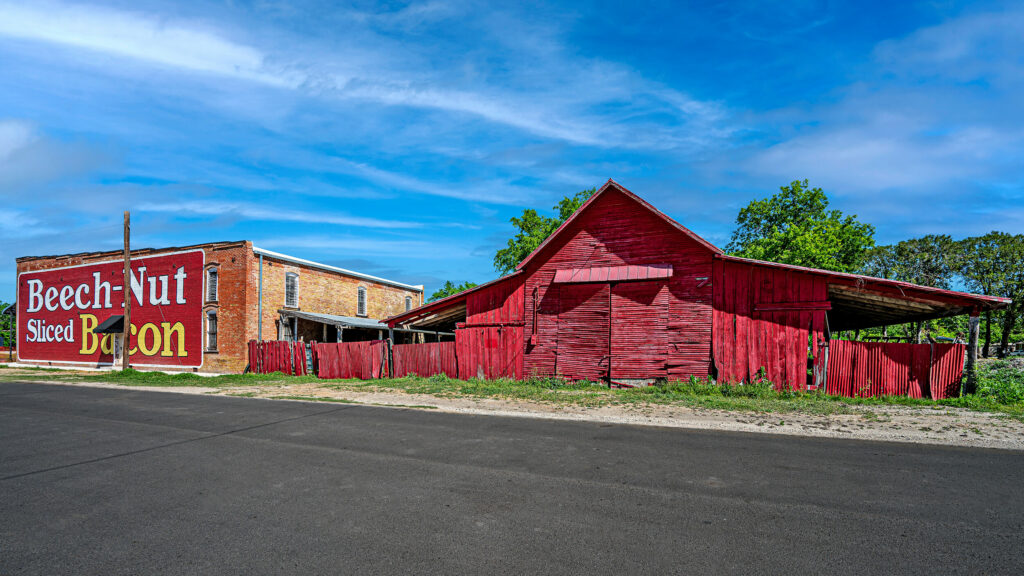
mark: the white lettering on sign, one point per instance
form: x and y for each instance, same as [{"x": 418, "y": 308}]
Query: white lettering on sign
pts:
[{"x": 41, "y": 331}]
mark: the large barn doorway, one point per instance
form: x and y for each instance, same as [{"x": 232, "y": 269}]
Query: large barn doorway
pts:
[
  {"x": 583, "y": 328},
  {"x": 613, "y": 331},
  {"x": 639, "y": 338}
]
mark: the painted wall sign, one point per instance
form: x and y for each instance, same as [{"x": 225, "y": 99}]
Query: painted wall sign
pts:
[{"x": 59, "y": 308}]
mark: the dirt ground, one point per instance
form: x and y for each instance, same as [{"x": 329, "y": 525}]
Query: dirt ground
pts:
[{"x": 927, "y": 425}]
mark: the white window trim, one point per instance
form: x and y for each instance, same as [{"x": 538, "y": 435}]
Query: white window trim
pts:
[
  {"x": 408, "y": 303},
  {"x": 206, "y": 293},
  {"x": 361, "y": 290},
  {"x": 206, "y": 333},
  {"x": 296, "y": 276}
]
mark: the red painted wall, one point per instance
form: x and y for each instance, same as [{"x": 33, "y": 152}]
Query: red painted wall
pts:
[
  {"x": 58, "y": 308},
  {"x": 748, "y": 339},
  {"x": 674, "y": 315}
]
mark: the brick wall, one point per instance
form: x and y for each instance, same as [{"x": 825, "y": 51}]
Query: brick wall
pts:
[
  {"x": 322, "y": 292},
  {"x": 237, "y": 303}
]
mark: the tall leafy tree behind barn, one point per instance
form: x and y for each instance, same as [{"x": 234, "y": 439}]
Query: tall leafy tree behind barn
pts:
[
  {"x": 533, "y": 228},
  {"x": 797, "y": 227}
]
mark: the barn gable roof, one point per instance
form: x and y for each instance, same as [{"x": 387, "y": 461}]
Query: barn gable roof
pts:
[{"x": 613, "y": 185}]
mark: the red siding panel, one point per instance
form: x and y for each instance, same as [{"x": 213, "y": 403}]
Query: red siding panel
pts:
[
  {"x": 639, "y": 338},
  {"x": 615, "y": 232},
  {"x": 363, "y": 360},
  {"x": 777, "y": 337},
  {"x": 583, "y": 331},
  {"x": 894, "y": 369},
  {"x": 425, "y": 359},
  {"x": 489, "y": 352}
]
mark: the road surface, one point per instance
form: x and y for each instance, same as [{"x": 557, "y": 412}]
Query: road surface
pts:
[{"x": 99, "y": 481}]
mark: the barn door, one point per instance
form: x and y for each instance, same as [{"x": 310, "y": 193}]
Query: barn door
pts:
[
  {"x": 639, "y": 330},
  {"x": 583, "y": 328}
]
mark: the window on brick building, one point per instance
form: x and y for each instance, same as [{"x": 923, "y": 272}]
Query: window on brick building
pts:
[
  {"x": 361, "y": 301},
  {"x": 408, "y": 303},
  {"x": 291, "y": 290},
  {"x": 211, "y": 285},
  {"x": 211, "y": 330}
]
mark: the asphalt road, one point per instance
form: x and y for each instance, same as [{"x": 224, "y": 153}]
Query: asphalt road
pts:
[{"x": 96, "y": 481}]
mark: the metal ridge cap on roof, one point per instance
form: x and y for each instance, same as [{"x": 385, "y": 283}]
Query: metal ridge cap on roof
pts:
[
  {"x": 280, "y": 256},
  {"x": 454, "y": 298},
  {"x": 629, "y": 194},
  {"x": 851, "y": 276}
]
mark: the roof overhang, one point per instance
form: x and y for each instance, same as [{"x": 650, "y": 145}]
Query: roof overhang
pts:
[
  {"x": 443, "y": 311},
  {"x": 859, "y": 301},
  {"x": 335, "y": 320},
  {"x": 112, "y": 325}
]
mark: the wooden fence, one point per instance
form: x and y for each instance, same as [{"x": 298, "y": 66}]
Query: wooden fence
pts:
[
  {"x": 277, "y": 356},
  {"x": 894, "y": 369},
  {"x": 425, "y": 359},
  {"x": 363, "y": 360}
]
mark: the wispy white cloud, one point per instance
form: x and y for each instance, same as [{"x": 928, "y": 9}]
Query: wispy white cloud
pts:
[
  {"x": 923, "y": 123},
  {"x": 250, "y": 212},
  {"x": 140, "y": 36},
  {"x": 580, "y": 101},
  {"x": 14, "y": 135}
]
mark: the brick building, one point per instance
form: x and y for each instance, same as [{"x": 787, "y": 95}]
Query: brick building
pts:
[{"x": 194, "y": 307}]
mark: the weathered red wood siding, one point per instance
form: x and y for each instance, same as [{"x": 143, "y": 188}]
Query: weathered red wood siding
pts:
[
  {"x": 894, "y": 369},
  {"x": 277, "y": 356},
  {"x": 490, "y": 343},
  {"x": 425, "y": 359},
  {"x": 499, "y": 303},
  {"x": 362, "y": 360},
  {"x": 672, "y": 315},
  {"x": 774, "y": 338},
  {"x": 490, "y": 352}
]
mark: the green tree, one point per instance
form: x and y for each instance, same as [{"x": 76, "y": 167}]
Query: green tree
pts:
[
  {"x": 533, "y": 228},
  {"x": 450, "y": 289},
  {"x": 927, "y": 261},
  {"x": 994, "y": 264},
  {"x": 983, "y": 266},
  {"x": 7, "y": 327},
  {"x": 795, "y": 226}
]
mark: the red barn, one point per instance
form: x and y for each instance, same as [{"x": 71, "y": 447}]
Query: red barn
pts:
[{"x": 624, "y": 294}]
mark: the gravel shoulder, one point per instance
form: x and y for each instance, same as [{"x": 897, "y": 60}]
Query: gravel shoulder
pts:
[{"x": 924, "y": 425}]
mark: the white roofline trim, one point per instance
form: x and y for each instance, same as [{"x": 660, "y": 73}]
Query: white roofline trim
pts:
[{"x": 287, "y": 258}]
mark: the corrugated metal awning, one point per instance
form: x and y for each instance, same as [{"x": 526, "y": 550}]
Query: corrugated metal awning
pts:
[
  {"x": 335, "y": 320},
  {"x": 612, "y": 274}
]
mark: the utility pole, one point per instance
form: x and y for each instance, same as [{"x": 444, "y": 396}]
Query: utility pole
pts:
[{"x": 127, "y": 292}]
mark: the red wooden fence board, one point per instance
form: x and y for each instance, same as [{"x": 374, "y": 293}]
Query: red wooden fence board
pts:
[
  {"x": 894, "y": 369},
  {"x": 362, "y": 360},
  {"x": 490, "y": 352},
  {"x": 425, "y": 359}
]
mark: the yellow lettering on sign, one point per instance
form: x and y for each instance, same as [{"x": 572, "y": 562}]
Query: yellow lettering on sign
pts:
[
  {"x": 169, "y": 330},
  {"x": 144, "y": 344},
  {"x": 133, "y": 350},
  {"x": 107, "y": 344},
  {"x": 90, "y": 340}
]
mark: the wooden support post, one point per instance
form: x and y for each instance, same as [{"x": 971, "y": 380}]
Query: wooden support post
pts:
[
  {"x": 972, "y": 353},
  {"x": 127, "y": 292}
]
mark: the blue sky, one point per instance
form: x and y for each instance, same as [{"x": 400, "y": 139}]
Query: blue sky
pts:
[{"x": 397, "y": 139}]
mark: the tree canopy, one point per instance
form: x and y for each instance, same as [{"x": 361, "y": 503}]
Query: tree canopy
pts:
[
  {"x": 533, "y": 228},
  {"x": 796, "y": 227},
  {"x": 450, "y": 289}
]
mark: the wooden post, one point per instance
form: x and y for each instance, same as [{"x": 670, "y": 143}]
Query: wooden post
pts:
[
  {"x": 972, "y": 353},
  {"x": 127, "y": 293}
]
